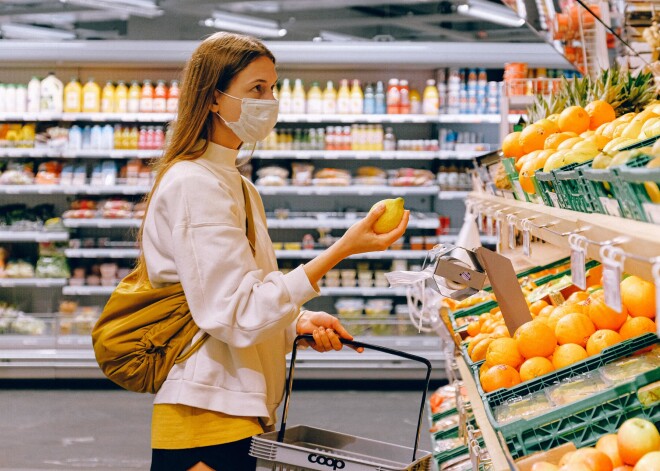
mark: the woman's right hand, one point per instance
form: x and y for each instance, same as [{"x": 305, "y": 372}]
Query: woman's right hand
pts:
[{"x": 361, "y": 238}]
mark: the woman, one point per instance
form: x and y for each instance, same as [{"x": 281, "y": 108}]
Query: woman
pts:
[{"x": 198, "y": 231}]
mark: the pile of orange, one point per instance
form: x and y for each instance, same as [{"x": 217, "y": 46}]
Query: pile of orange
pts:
[{"x": 559, "y": 336}]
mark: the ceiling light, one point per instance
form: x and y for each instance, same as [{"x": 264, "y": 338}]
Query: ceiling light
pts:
[
  {"x": 21, "y": 31},
  {"x": 491, "y": 13},
  {"x": 245, "y": 24},
  {"x": 143, "y": 8},
  {"x": 338, "y": 37}
]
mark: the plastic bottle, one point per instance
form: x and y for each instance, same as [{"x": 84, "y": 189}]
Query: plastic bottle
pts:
[
  {"x": 315, "y": 99},
  {"x": 286, "y": 103},
  {"x": 34, "y": 95},
  {"x": 142, "y": 138},
  {"x": 10, "y": 98},
  {"x": 298, "y": 98},
  {"x": 3, "y": 94},
  {"x": 343, "y": 98},
  {"x": 357, "y": 98},
  {"x": 369, "y": 100},
  {"x": 329, "y": 99},
  {"x": 404, "y": 97},
  {"x": 173, "y": 97},
  {"x": 389, "y": 140},
  {"x": 75, "y": 138},
  {"x": 379, "y": 98},
  {"x": 134, "y": 95},
  {"x": 472, "y": 80},
  {"x": 147, "y": 97},
  {"x": 21, "y": 98},
  {"x": 132, "y": 136},
  {"x": 431, "y": 99},
  {"x": 73, "y": 96},
  {"x": 108, "y": 98},
  {"x": 393, "y": 96},
  {"x": 86, "y": 137},
  {"x": 121, "y": 98},
  {"x": 160, "y": 97},
  {"x": 91, "y": 93},
  {"x": 149, "y": 139},
  {"x": 118, "y": 144},
  {"x": 159, "y": 137},
  {"x": 107, "y": 137},
  {"x": 95, "y": 138},
  {"x": 415, "y": 102},
  {"x": 52, "y": 94}
]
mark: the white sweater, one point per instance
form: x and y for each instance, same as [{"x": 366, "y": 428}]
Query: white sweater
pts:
[{"x": 194, "y": 232}]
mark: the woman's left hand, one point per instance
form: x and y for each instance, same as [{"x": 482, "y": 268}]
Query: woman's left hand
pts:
[{"x": 326, "y": 330}]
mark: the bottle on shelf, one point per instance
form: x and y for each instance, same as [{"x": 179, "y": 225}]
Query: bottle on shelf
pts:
[
  {"x": 147, "y": 97},
  {"x": 315, "y": 99},
  {"x": 393, "y": 96},
  {"x": 132, "y": 135},
  {"x": 285, "y": 97},
  {"x": 357, "y": 98},
  {"x": 343, "y": 98},
  {"x": 91, "y": 93},
  {"x": 298, "y": 98},
  {"x": 329, "y": 99},
  {"x": 34, "y": 95},
  {"x": 379, "y": 98},
  {"x": 51, "y": 94},
  {"x": 118, "y": 142},
  {"x": 73, "y": 96},
  {"x": 431, "y": 99},
  {"x": 3, "y": 98},
  {"x": 442, "y": 91},
  {"x": 415, "y": 102},
  {"x": 75, "y": 138},
  {"x": 121, "y": 98},
  {"x": 369, "y": 100},
  {"x": 404, "y": 97},
  {"x": 134, "y": 95},
  {"x": 454, "y": 92},
  {"x": 10, "y": 98},
  {"x": 108, "y": 98},
  {"x": 160, "y": 97},
  {"x": 107, "y": 137},
  {"x": 389, "y": 140},
  {"x": 173, "y": 97},
  {"x": 21, "y": 98}
]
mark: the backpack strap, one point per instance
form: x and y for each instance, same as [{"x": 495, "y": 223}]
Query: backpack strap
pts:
[{"x": 249, "y": 220}]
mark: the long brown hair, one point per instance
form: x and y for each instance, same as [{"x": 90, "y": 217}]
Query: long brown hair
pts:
[{"x": 213, "y": 65}]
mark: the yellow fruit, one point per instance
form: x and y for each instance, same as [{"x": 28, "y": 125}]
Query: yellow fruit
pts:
[
  {"x": 599, "y": 112},
  {"x": 608, "y": 130},
  {"x": 600, "y": 141},
  {"x": 632, "y": 129},
  {"x": 392, "y": 216},
  {"x": 601, "y": 128},
  {"x": 586, "y": 146},
  {"x": 550, "y": 126},
  {"x": 555, "y": 160},
  {"x": 644, "y": 116},
  {"x": 527, "y": 172},
  {"x": 553, "y": 140},
  {"x": 554, "y": 118},
  {"x": 652, "y": 187},
  {"x": 652, "y": 130},
  {"x": 621, "y": 158},
  {"x": 574, "y": 118},
  {"x": 601, "y": 161},
  {"x": 511, "y": 145},
  {"x": 569, "y": 143},
  {"x": 533, "y": 137},
  {"x": 618, "y": 130},
  {"x": 618, "y": 143},
  {"x": 578, "y": 157}
]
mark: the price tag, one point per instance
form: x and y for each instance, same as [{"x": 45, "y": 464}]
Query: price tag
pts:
[
  {"x": 553, "y": 197},
  {"x": 512, "y": 231},
  {"x": 652, "y": 212},
  {"x": 498, "y": 235},
  {"x": 480, "y": 221},
  {"x": 527, "y": 238},
  {"x": 578, "y": 258},
  {"x": 489, "y": 225},
  {"x": 612, "y": 269},
  {"x": 611, "y": 206},
  {"x": 655, "y": 270}
]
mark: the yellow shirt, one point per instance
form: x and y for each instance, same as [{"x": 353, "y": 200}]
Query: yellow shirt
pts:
[{"x": 177, "y": 426}]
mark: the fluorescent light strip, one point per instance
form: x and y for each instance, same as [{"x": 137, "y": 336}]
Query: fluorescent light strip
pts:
[
  {"x": 141, "y": 8},
  {"x": 260, "y": 27},
  {"x": 490, "y": 15},
  {"x": 21, "y": 31}
]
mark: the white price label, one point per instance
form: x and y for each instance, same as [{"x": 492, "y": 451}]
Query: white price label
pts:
[
  {"x": 554, "y": 199},
  {"x": 480, "y": 222},
  {"x": 489, "y": 225},
  {"x": 527, "y": 243},
  {"x": 611, "y": 206},
  {"x": 498, "y": 235},
  {"x": 512, "y": 236},
  {"x": 612, "y": 286},
  {"x": 520, "y": 193},
  {"x": 652, "y": 212},
  {"x": 578, "y": 272}
]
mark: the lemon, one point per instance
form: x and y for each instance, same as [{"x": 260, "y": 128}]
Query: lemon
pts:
[{"x": 392, "y": 216}]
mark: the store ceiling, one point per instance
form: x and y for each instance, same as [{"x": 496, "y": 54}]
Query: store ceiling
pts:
[{"x": 303, "y": 20}]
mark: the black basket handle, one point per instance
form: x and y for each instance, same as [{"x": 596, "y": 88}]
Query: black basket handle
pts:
[{"x": 353, "y": 343}]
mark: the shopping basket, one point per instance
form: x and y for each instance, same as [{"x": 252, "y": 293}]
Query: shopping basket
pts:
[{"x": 303, "y": 448}]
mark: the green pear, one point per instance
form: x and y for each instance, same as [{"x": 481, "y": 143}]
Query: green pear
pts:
[
  {"x": 601, "y": 161},
  {"x": 392, "y": 216}
]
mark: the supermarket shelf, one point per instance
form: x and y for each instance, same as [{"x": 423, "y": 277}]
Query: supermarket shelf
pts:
[
  {"x": 366, "y": 292},
  {"x": 71, "y": 356},
  {"x": 633, "y": 237},
  {"x": 32, "y": 282},
  {"x": 102, "y": 253},
  {"x": 521, "y": 101},
  {"x": 469, "y": 118},
  {"x": 335, "y": 223},
  {"x": 33, "y": 153},
  {"x": 74, "y": 190},
  {"x": 362, "y": 190},
  {"x": 33, "y": 236},
  {"x": 453, "y": 195},
  {"x": 87, "y": 290},
  {"x": 102, "y": 223},
  {"x": 366, "y": 154},
  {"x": 385, "y": 255},
  {"x": 28, "y": 152},
  {"x": 499, "y": 461}
]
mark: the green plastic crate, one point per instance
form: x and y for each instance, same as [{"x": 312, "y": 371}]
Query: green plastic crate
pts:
[
  {"x": 581, "y": 422},
  {"x": 641, "y": 204},
  {"x": 599, "y": 184},
  {"x": 645, "y": 143},
  {"x": 572, "y": 191},
  {"x": 627, "y": 198},
  {"x": 449, "y": 455},
  {"x": 511, "y": 172},
  {"x": 441, "y": 415},
  {"x": 545, "y": 187}
]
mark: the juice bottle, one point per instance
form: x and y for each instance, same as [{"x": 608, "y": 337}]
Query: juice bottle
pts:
[
  {"x": 298, "y": 98},
  {"x": 431, "y": 98},
  {"x": 379, "y": 98},
  {"x": 118, "y": 142},
  {"x": 369, "y": 100},
  {"x": 160, "y": 97},
  {"x": 329, "y": 99},
  {"x": 173, "y": 97},
  {"x": 415, "y": 102},
  {"x": 108, "y": 98},
  {"x": 133, "y": 101},
  {"x": 357, "y": 98},
  {"x": 121, "y": 98},
  {"x": 404, "y": 97},
  {"x": 73, "y": 96},
  {"x": 133, "y": 138},
  {"x": 285, "y": 97},
  {"x": 393, "y": 97},
  {"x": 52, "y": 94},
  {"x": 91, "y": 97},
  {"x": 34, "y": 95},
  {"x": 315, "y": 99},
  {"x": 147, "y": 97},
  {"x": 344, "y": 98}
]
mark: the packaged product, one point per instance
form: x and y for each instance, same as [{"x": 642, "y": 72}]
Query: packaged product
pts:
[
  {"x": 411, "y": 177},
  {"x": 576, "y": 388},
  {"x": 525, "y": 407},
  {"x": 52, "y": 266},
  {"x": 447, "y": 444},
  {"x": 626, "y": 369},
  {"x": 332, "y": 177},
  {"x": 302, "y": 174},
  {"x": 272, "y": 176},
  {"x": 19, "y": 269}
]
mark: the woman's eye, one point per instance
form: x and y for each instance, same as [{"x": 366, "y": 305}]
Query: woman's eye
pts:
[{"x": 258, "y": 88}]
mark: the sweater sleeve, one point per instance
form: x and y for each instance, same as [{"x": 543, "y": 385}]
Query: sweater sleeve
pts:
[{"x": 228, "y": 295}]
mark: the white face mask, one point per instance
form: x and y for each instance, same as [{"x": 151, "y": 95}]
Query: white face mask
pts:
[{"x": 257, "y": 120}]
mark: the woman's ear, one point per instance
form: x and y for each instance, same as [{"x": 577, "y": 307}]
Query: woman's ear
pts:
[{"x": 215, "y": 106}]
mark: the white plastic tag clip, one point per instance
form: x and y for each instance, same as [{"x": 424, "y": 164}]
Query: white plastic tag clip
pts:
[
  {"x": 612, "y": 258},
  {"x": 578, "y": 244}
]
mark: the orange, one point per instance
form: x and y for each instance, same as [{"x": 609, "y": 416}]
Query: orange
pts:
[
  {"x": 546, "y": 311},
  {"x": 501, "y": 331},
  {"x": 473, "y": 328},
  {"x": 533, "y": 137},
  {"x": 577, "y": 297},
  {"x": 602, "y": 339},
  {"x": 483, "y": 368},
  {"x": 603, "y": 316},
  {"x": 511, "y": 146},
  {"x": 600, "y": 112},
  {"x": 504, "y": 351},
  {"x": 574, "y": 119},
  {"x": 553, "y": 140},
  {"x": 535, "y": 367},
  {"x": 499, "y": 376},
  {"x": 594, "y": 459},
  {"x": 474, "y": 341},
  {"x": 535, "y": 339},
  {"x": 574, "y": 328},
  {"x": 636, "y": 326},
  {"x": 480, "y": 349},
  {"x": 561, "y": 311},
  {"x": 527, "y": 172},
  {"x": 608, "y": 445},
  {"x": 536, "y": 307},
  {"x": 567, "y": 355},
  {"x": 638, "y": 296},
  {"x": 549, "y": 125}
]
